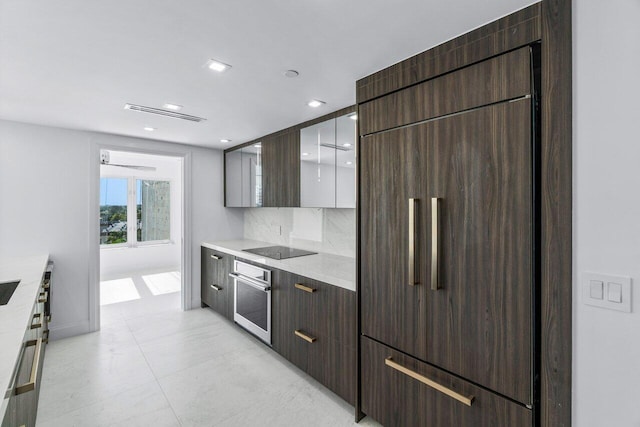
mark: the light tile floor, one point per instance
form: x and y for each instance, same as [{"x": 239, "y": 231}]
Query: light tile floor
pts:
[{"x": 165, "y": 367}]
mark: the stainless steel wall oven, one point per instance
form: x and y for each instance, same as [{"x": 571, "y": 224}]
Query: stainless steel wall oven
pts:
[{"x": 252, "y": 299}]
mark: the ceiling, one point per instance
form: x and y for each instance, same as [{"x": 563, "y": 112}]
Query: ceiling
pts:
[{"x": 74, "y": 64}]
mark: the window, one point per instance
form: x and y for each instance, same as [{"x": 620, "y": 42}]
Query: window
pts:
[{"x": 134, "y": 211}]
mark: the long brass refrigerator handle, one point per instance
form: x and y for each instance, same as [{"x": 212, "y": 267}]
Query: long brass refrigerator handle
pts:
[
  {"x": 467, "y": 400},
  {"x": 413, "y": 207},
  {"x": 435, "y": 243},
  {"x": 35, "y": 365}
]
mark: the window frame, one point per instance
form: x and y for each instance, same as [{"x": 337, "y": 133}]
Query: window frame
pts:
[{"x": 132, "y": 236}]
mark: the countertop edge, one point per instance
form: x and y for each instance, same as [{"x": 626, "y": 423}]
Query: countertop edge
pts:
[{"x": 292, "y": 265}]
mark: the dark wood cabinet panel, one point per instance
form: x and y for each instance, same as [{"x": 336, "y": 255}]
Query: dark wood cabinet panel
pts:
[
  {"x": 518, "y": 29},
  {"x": 479, "y": 323},
  {"x": 281, "y": 170},
  {"x": 396, "y": 399},
  {"x": 334, "y": 364},
  {"x": 546, "y": 26},
  {"x": 392, "y": 172},
  {"x": 323, "y": 313},
  {"x": 504, "y": 77},
  {"x": 216, "y": 286},
  {"x": 287, "y": 309}
]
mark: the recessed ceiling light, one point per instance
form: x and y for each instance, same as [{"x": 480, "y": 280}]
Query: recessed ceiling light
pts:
[
  {"x": 257, "y": 145},
  {"x": 149, "y": 129},
  {"x": 315, "y": 103},
  {"x": 172, "y": 107},
  {"x": 346, "y": 144},
  {"x": 305, "y": 154},
  {"x": 349, "y": 163},
  {"x": 291, "y": 73},
  {"x": 217, "y": 65},
  {"x": 353, "y": 116},
  {"x": 225, "y": 140}
]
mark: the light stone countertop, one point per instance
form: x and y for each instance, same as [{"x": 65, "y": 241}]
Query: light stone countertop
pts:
[
  {"x": 15, "y": 317},
  {"x": 332, "y": 269}
]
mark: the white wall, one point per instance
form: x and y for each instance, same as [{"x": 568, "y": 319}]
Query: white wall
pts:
[
  {"x": 120, "y": 261},
  {"x": 45, "y": 206},
  {"x": 606, "y": 357}
]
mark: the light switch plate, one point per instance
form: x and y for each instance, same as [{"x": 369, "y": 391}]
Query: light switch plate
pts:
[{"x": 614, "y": 288}]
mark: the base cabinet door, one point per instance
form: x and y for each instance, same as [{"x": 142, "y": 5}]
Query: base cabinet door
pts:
[
  {"x": 398, "y": 390},
  {"x": 215, "y": 284},
  {"x": 314, "y": 328}
]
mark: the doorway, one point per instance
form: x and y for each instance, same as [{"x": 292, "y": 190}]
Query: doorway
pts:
[{"x": 141, "y": 234}]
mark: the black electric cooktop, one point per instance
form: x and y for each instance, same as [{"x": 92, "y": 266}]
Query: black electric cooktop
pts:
[{"x": 279, "y": 252}]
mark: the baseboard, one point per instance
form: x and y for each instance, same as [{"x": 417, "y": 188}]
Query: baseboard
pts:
[{"x": 67, "y": 330}]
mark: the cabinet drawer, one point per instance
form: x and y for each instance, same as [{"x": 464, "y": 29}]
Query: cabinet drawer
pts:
[
  {"x": 216, "y": 286},
  {"x": 329, "y": 311},
  {"x": 334, "y": 365},
  {"x": 394, "y": 393}
]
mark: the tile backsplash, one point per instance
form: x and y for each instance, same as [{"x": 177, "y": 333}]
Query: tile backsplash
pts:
[{"x": 322, "y": 230}]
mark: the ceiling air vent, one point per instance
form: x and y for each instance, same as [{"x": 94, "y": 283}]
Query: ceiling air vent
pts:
[{"x": 160, "y": 112}]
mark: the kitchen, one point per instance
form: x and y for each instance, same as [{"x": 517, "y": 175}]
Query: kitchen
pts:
[{"x": 48, "y": 147}]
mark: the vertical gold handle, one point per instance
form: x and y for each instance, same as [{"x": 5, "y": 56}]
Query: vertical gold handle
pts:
[
  {"x": 435, "y": 242},
  {"x": 413, "y": 207}
]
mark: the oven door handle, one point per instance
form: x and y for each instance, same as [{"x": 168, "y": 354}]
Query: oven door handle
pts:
[{"x": 250, "y": 282}]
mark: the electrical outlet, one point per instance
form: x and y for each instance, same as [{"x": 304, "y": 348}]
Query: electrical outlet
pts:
[{"x": 607, "y": 291}]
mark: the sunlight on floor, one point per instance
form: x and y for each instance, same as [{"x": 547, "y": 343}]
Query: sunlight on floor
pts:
[
  {"x": 120, "y": 290},
  {"x": 163, "y": 283}
]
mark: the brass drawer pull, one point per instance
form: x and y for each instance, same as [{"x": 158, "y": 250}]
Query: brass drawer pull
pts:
[
  {"x": 37, "y": 316},
  {"x": 44, "y": 297},
  {"x": 35, "y": 365},
  {"x": 216, "y": 257},
  {"x": 435, "y": 242},
  {"x": 304, "y": 336},
  {"x": 46, "y": 285},
  {"x": 467, "y": 400},
  {"x": 216, "y": 287},
  {"x": 304, "y": 288}
]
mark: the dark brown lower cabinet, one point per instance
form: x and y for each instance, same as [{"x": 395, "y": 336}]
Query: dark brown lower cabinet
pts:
[
  {"x": 395, "y": 392},
  {"x": 314, "y": 328},
  {"x": 216, "y": 286}
]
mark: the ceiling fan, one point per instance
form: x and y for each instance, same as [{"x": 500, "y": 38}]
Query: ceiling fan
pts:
[{"x": 104, "y": 160}]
